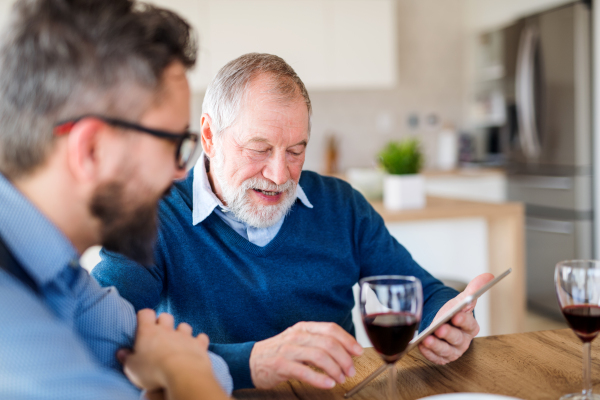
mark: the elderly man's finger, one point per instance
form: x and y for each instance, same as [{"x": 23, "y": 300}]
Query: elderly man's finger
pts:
[
  {"x": 328, "y": 345},
  {"x": 477, "y": 283},
  {"x": 294, "y": 370},
  {"x": 334, "y": 331},
  {"x": 432, "y": 356},
  {"x": 318, "y": 358},
  {"x": 441, "y": 348},
  {"x": 166, "y": 320},
  {"x": 450, "y": 334},
  {"x": 466, "y": 323}
]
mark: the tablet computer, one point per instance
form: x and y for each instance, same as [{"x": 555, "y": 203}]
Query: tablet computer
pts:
[{"x": 454, "y": 310}]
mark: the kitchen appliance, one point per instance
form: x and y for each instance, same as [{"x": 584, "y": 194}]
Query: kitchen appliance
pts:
[{"x": 548, "y": 141}]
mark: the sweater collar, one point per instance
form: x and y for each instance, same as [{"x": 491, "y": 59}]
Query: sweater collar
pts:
[{"x": 205, "y": 201}]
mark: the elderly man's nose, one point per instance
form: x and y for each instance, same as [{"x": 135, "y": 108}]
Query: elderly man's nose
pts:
[{"x": 276, "y": 170}]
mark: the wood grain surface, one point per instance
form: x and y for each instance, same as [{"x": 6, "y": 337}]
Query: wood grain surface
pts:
[
  {"x": 441, "y": 208},
  {"x": 534, "y": 365}
]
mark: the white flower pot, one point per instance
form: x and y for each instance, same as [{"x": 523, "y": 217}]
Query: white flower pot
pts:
[{"x": 402, "y": 192}]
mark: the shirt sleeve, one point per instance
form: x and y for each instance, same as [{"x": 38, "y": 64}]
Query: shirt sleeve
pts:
[
  {"x": 381, "y": 254},
  {"x": 42, "y": 358},
  {"x": 105, "y": 320},
  {"x": 237, "y": 357}
]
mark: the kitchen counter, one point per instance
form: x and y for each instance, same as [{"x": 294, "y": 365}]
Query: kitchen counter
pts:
[
  {"x": 465, "y": 229},
  {"x": 465, "y": 172},
  {"x": 440, "y": 207}
]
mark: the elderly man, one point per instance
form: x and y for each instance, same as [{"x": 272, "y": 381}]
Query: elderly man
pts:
[
  {"x": 250, "y": 247},
  {"x": 94, "y": 104}
]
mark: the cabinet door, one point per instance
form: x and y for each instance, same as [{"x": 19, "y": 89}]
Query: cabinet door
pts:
[
  {"x": 294, "y": 30},
  {"x": 364, "y": 44},
  {"x": 331, "y": 44}
]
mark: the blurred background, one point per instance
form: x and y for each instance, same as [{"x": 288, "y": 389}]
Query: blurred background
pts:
[{"x": 499, "y": 94}]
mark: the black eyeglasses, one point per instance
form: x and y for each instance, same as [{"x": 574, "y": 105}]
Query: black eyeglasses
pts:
[{"x": 187, "y": 149}]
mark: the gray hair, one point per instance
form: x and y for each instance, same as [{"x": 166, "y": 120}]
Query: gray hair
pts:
[
  {"x": 226, "y": 93},
  {"x": 61, "y": 59}
]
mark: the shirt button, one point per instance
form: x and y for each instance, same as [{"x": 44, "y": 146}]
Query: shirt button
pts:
[{"x": 74, "y": 264}]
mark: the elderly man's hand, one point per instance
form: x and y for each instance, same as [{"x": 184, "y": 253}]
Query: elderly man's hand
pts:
[
  {"x": 288, "y": 356},
  {"x": 450, "y": 341}
]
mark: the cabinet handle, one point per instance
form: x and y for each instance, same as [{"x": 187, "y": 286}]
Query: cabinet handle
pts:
[
  {"x": 525, "y": 92},
  {"x": 544, "y": 182},
  {"x": 549, "y": 226}
]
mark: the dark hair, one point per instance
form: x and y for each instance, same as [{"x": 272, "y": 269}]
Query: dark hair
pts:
[{"x": 60, "y": 59}]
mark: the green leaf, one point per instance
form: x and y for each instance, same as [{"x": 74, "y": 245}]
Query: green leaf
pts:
[{"x": 402, "y": 158}]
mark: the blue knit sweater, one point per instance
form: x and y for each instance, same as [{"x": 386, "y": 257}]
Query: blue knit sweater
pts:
[{"x": 238, "y": 293}]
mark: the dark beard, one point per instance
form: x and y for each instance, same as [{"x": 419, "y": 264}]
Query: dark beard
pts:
[{"x": 126, "y": 230}]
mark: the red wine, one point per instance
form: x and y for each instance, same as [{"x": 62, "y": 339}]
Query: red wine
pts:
[
  {"x": 390, "y": 333},
  {"x": 584, "y": 320}
]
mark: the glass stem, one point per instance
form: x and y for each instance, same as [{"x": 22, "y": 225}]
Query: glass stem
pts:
[
  {"x": 392, "y": 381},
  {"x": 587, "y": 369}
]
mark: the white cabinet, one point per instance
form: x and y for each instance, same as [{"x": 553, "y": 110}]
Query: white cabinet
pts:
[{"x": 332, "y": 44}]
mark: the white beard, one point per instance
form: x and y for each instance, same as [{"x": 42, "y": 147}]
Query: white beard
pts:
[{"x": 239, "y": 201}]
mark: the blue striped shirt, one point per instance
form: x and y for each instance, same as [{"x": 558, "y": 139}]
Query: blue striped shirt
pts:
[{"x": 62, "y": 343}]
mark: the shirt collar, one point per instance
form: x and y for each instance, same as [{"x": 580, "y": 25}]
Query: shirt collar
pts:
[
  {"x": 37, "y": 244},
  {"x": 205, "y": 201}
]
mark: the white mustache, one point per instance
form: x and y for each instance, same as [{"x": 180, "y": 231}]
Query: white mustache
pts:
[{"x": 261, "y": 184}]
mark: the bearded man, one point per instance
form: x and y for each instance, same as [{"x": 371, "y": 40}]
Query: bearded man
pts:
[
  {"x": 250, "y": 247},
  {"x": 94, "y": 109}
]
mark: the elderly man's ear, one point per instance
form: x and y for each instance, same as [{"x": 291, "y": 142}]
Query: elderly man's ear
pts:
[{"x": 207, "y": 135}]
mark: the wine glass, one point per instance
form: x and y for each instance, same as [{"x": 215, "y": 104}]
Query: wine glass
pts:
[
  {"x": 578, "y": 289},
  {"x": 391, "y": 307}
]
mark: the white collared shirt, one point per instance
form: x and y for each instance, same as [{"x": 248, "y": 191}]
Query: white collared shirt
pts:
[{"x": 205, "y": 202}]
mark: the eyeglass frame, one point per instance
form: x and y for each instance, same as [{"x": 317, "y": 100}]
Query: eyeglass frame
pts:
[{"x": 65, "y": 127}]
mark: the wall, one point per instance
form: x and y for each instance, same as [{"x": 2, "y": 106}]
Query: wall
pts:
[
  {"x": 430, "y": 81},
  {"x": 430, "y": 37}
]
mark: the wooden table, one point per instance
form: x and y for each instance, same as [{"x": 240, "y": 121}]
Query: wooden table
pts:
[{"x": 534, "y": 365}]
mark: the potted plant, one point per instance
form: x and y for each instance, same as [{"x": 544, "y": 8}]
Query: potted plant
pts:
[{"x": 403, "y": 186}]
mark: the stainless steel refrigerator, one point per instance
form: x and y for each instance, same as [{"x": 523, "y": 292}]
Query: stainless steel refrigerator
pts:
[{"x": 548, "y": 140}]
